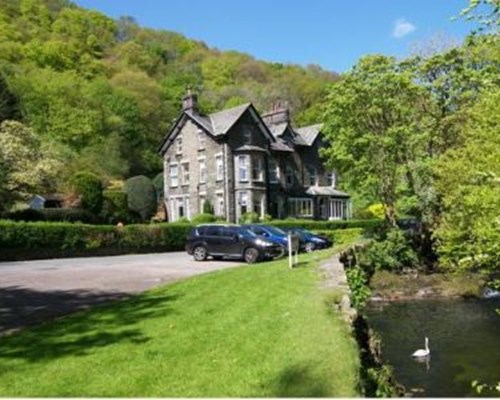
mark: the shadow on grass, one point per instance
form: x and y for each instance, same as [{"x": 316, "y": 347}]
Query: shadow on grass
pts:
[
  {"x": 75, "y": 335},
  {"x": 298, "y": 381}
]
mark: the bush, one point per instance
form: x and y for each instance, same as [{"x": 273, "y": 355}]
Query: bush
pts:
[
  {"x": 393, "y": 252},
  {"x": 370, "y": 224},
  {"x": 203, "y": 218},
  {"x": 183, "y": 220},
  {"x": 88, "y": 187},
  {"x": 341, "y": 236},
  {"x": 30, "y": 240},
  {"x": 115, "y": 208},
  {"x": 266, "y": 218},
  {"x": 207, "y": 207},
  {"x": 249, "y": 218},
  {"x": 141, "y": 196},
  {"x": 159, "y": 183}
]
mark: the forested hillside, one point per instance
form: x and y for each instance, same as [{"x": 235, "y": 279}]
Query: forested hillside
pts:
[{"x": 98, "y": 94}]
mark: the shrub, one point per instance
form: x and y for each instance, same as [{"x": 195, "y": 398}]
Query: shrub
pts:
[
  {"x": 370, "y": 224},
  {"x": 266, "y": 218},
  {"x": 249, "y": 218},
  {"x": 88, "y": 187},
  {"x": 183, "y": 220},
  {"x": 376, "y": 211},
  {"x": 115, "y": 208},
  {"x": 203, "y": 218},
  {"x": 207, "y": 207},
  {"x": 392, "y": 252},
  {"x": 341, "y": 236},
  {"x": 159, "y": 183},
  {"x": 141, "y": 196}
]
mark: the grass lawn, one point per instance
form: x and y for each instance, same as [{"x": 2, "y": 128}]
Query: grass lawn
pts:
[{"x": 258, "y": 331}]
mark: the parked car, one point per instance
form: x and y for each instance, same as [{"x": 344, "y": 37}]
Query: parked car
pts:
[
  {"x": 271, "y": 233},
  {"x": 229, "y": 241},
  {"x": 310, "y": 241}
]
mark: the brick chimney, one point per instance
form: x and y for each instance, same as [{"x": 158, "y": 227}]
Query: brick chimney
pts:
[
  {"x": 190, "y": 102},
  {"x": 279, "y": 114}
]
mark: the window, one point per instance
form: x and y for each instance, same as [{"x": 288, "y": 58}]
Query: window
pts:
[
  {"x": 174, "y": 175},
  {"x": 243, "y": 168},
  {"x": 247, "y": 135},
  {"x": 202, "y": 200},
  {"x": 331, "y": 179},
  {"x": 289, "y": 175},
  {"x": 203, "y": 171},
  {"x": 178, "y": 144},
  {"x": 219, "y": 165},
  {"x": 274, "y": 172},
  {"x": 300, "y": 207},
  {"x": 243, "y": 202},
  {"x": 185, "y": 173},
  {"x": 257, "y": 168},
  {"x": 312, "y": 176},
  {"x": 180, "y": 208},
  {"x": 201, "y": 139},
  {"x": 220, "y": 205}
]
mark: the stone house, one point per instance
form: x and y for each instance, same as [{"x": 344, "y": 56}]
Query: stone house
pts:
[{"x": 240, "y": 161}]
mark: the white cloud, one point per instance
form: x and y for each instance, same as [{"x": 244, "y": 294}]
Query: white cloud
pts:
[{"x": 402, "y": 27}]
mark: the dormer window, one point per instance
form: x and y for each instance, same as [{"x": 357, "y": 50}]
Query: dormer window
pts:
[
  {"x": 201, "y": 140},
  {"x": 247, "y": 136},
  {"x": 178, "y": 145}
]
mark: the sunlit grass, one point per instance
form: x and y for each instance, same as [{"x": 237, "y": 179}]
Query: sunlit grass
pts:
[{"x": 262, "y": 331}]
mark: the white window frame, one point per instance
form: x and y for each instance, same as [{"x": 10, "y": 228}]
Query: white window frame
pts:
[
  {"x": 174, "y": 178},
  {"x": 301, "y": 207},
  {"x": 257, "y": 166},
  {"x": 243, "y": 167},
  {"x": 185, "y": 173},
  {"x": 178, "y": 144},
  {"x": 202, "y": 137},
  {"x": 219, "y": 166},
  {"x": 202, "y": 166},
  {"x": 274, "y": 171},
  {"x": 221, "y": 206}
]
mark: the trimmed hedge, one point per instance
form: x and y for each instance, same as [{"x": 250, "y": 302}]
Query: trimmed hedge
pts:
[
  {"x": 341, "y": 236},
  {"x": 34, "y": 240},
  {"x": 328, "y": 225}
]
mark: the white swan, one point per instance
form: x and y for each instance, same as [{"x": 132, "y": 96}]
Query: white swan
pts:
[{"x": 422, "y": 352}]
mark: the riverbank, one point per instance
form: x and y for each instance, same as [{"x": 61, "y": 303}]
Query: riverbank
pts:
[{"x": 388, "y": 286}]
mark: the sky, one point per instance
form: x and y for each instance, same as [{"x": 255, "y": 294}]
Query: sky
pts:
[{"x": 329, "y": 33}]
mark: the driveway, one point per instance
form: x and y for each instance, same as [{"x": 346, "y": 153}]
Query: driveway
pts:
[{"x": 35, "y": 291}]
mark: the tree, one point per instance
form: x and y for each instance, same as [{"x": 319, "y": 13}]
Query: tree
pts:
[
  {"x": 141, "y": 195},
  {"x": 25, "y": 165},
  {"x": 88, "y": 187},
  {"x": 374, "y": 128}
]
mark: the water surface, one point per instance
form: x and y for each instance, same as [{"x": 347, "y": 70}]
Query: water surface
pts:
[{"x": 464, "y": 340}]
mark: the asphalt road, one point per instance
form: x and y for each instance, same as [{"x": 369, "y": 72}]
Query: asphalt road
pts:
[{"x": 32, "y": 292}]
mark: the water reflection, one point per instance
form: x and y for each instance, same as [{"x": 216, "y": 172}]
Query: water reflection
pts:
[{"x": 464, "y": 339}]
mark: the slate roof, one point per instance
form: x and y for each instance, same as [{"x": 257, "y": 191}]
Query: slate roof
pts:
[
  {"x": 281, "y": 145},
  {"x": 278, "y": 129},
  {"x": 309, "y": 133},
  {"x": 325, "y": 191},
  {"x": 223, "y": 120}
]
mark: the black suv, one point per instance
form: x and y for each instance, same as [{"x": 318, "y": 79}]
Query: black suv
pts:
[{"x": 229, "y": 241}]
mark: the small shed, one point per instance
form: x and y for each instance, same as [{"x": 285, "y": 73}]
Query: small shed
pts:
[{"x": 39, "y": 201}]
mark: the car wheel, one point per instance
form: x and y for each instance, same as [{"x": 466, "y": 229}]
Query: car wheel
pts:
[
  {"x": 309, "y": 247},
  {"x": 251, "y": 255},
  {"x": 200, "y": 253}
]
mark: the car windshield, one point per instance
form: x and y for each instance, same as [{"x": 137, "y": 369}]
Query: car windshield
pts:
[{"x": 275, "y": 231}]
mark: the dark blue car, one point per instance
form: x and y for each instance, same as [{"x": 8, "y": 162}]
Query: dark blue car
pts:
[
  {"x": 271, "y": 233},
  {"x": 310, "y": 241}
]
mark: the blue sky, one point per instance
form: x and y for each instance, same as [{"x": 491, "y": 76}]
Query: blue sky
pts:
[{"x": 330, "y": 33}]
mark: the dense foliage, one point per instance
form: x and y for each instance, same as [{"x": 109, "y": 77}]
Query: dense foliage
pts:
[
  {"x": 88, "y": 187},
  {"x": 141, "y": 196},
  {"x": 88, "y": 85}
]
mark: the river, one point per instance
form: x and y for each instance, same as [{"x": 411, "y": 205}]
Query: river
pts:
[{"x": 464, "y": 339}]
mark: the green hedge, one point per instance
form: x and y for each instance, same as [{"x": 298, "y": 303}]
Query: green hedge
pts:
[
  {"x": 33, "y": 240},
  {"x": 52, "y": 215},
  {"x": 341, "y": 236},
  {"x": 328, "y": 225}
]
